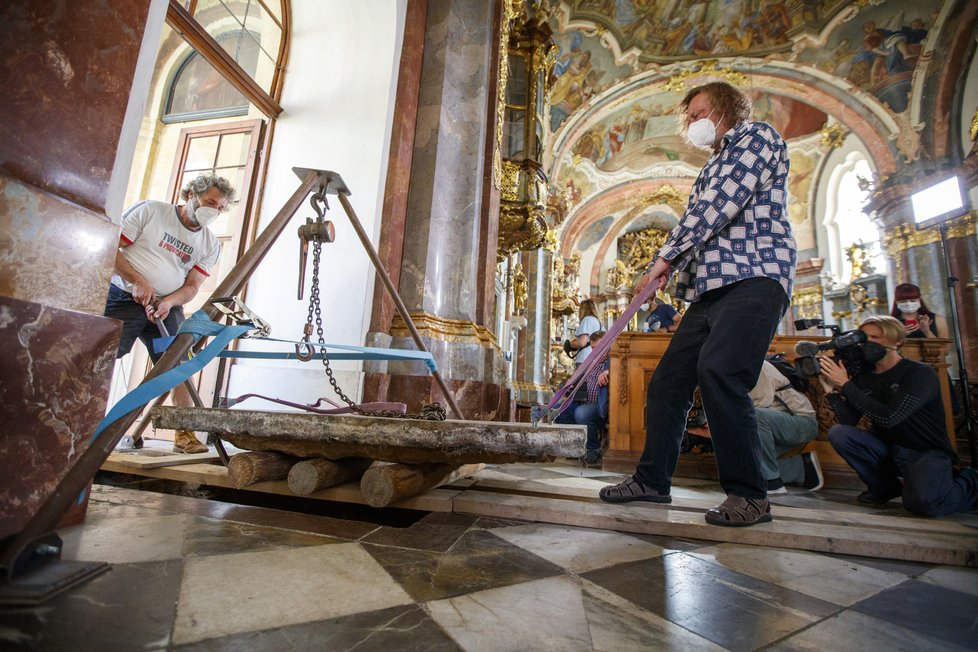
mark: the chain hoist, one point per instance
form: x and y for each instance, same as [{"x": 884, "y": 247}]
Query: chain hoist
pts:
[{"x": 318, "y": 232}]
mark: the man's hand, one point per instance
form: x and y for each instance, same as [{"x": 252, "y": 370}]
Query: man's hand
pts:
[
  {"x": 142, "y": 291},
  {"x": 659, "y": 271},
  {"x": 603, "y": 378},
  {"x": 160, "y": 310},
  {"x": 833, "y": 374}
]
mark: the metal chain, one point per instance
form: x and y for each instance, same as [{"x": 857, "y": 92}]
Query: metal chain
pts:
[{"x": 431, "y": 412}]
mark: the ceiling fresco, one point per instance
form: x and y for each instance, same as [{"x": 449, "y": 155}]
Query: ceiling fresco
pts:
[{"x": 622, "y": 66}]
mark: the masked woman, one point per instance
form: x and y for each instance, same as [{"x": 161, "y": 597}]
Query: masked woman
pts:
[{"x": 918, "y": 320}]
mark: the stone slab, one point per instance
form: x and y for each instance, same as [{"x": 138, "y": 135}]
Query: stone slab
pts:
[{"x": 409, "y": 441}]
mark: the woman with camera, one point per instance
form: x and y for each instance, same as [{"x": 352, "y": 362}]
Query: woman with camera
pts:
[
  {"x": 918, "y": 320},
  {"x": 907, "y": 451}
]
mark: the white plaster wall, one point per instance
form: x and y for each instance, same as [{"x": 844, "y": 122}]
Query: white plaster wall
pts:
[{"x": 337, "y": 102}]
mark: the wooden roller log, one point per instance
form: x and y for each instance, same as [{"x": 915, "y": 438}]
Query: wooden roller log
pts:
[
  {"x": 384, "y": 485},
  {"x": 308, "y": 476},
  {"x": 246, "y": 469}
]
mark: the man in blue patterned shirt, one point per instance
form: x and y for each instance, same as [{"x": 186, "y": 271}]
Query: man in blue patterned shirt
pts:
[{"x": 734, "y": 255}]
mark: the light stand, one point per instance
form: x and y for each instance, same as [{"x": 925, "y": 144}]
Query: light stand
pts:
[
  {"x": 934, "y": 205},
  {"x": 952, "y": 281}
]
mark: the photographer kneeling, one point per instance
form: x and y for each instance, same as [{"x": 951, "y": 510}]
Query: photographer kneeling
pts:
[{"x": 908, "y": 440}]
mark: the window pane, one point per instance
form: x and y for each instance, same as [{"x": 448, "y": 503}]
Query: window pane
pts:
[
  {"x": 234, "y": 150},
  {"x": 263, "y": 28},
  {"x": 200, "y": 89},
  {"x": 201, "y": 153},
  {"x": 516, "y": 90},
  {"x": 513, "y": 135}
]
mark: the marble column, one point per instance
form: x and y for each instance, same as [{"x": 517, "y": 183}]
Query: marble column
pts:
[
  {"x": 69, "y": 121},
  {"x": 532, "y": 383},
  {"x": 449, "y": 232}
]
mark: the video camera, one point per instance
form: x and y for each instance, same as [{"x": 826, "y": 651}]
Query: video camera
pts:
[{"x": 845, "y": 346}]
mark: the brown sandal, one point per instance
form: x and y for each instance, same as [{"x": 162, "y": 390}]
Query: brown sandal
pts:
[
  {"x": 736, "y": 511},
  {"x": 631, "y": 489}
]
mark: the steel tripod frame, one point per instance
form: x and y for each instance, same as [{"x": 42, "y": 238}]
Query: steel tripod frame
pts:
[{"x": 18, "y": 548}]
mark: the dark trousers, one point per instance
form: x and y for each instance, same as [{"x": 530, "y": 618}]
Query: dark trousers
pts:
[
  {"x": 720, "y": 345},
  {"x": 135, "y": 325},
  {"x": 930, "y": 487}
]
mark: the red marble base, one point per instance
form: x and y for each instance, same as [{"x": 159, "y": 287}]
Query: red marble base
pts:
[{"x": 56, "y": 368}]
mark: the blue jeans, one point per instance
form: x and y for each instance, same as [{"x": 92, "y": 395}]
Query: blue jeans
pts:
[
  {"x": 592, "y": 415},
  {"x": 720, "y": 345},
  {"x": 930, "y": 487},
  {"x": 778, "y": 432}
]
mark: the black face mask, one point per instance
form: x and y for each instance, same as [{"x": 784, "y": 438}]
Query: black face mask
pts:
[{"x": 873, "y": 352}]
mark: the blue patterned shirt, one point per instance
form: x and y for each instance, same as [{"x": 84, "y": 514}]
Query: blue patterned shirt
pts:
[{"x": 736, "y": 222}]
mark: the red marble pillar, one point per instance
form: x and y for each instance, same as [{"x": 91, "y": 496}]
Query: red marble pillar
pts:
[{"x": 68, "y": 69}]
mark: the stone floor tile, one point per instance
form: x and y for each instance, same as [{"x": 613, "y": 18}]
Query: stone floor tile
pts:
[
  {"x": 733, "y": 610},
  {"x": 206, "y": 536},
  {"x": 127, "y": 540},
  {"x": 927, "y": 609},
  {"x": 953, "y": 577},
  {"x": 850, "y": 630},
  {"x": 539, "y": 615},
  {"x": 578, "y": 549},
  {"x": 132, "y": 607},
  {"x": 841, "y": 582},
  {"x": 404, "y": 629},
  {"x": 437, "y": 531},
  {"x": 617, "y": 625},
  {"x": 478, "y": 561},
  {"x": 230, "y": 594}
]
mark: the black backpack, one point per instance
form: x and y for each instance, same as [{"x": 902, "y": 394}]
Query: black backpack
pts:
[{"x": 792, "y": 375}]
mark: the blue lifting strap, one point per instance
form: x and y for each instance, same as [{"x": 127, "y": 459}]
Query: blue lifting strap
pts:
[{"x": 200, "y": 325}]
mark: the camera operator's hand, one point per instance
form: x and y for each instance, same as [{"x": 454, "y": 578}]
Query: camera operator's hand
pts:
[{"x": 833, "y": 373}]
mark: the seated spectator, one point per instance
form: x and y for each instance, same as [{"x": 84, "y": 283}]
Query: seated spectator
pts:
[
  {"x": 589, "y": 324},
  {"x": 590, "y": 407},
  {"x": 918, "y": 320},
  {"x": 663, "y": 318},
  {"x": 907, "y": 451},
  {"x": 785, "y": 421}
]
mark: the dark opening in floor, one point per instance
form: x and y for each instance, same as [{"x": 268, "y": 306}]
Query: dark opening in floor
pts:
[{"x": 391, "y": 517}]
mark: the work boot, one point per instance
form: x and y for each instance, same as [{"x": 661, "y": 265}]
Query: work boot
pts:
[{"x": 186, "y": 441}]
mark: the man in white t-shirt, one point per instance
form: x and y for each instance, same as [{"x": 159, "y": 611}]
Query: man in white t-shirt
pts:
[{"x": 165, "y": 254}]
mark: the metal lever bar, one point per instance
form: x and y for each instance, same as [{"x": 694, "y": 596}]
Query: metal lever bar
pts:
[{"x": 197, "y": 401}]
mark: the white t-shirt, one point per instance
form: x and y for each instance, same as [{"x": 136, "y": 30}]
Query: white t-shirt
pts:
[
  {"x": 589, "y": 324},
  {"x": 162, "y": 249}
]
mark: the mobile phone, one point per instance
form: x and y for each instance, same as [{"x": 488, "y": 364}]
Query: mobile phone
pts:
[{"x": 911, "y": 323}]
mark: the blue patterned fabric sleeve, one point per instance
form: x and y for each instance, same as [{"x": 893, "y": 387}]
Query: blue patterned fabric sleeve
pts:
[{"x": 748, "y": 165}]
